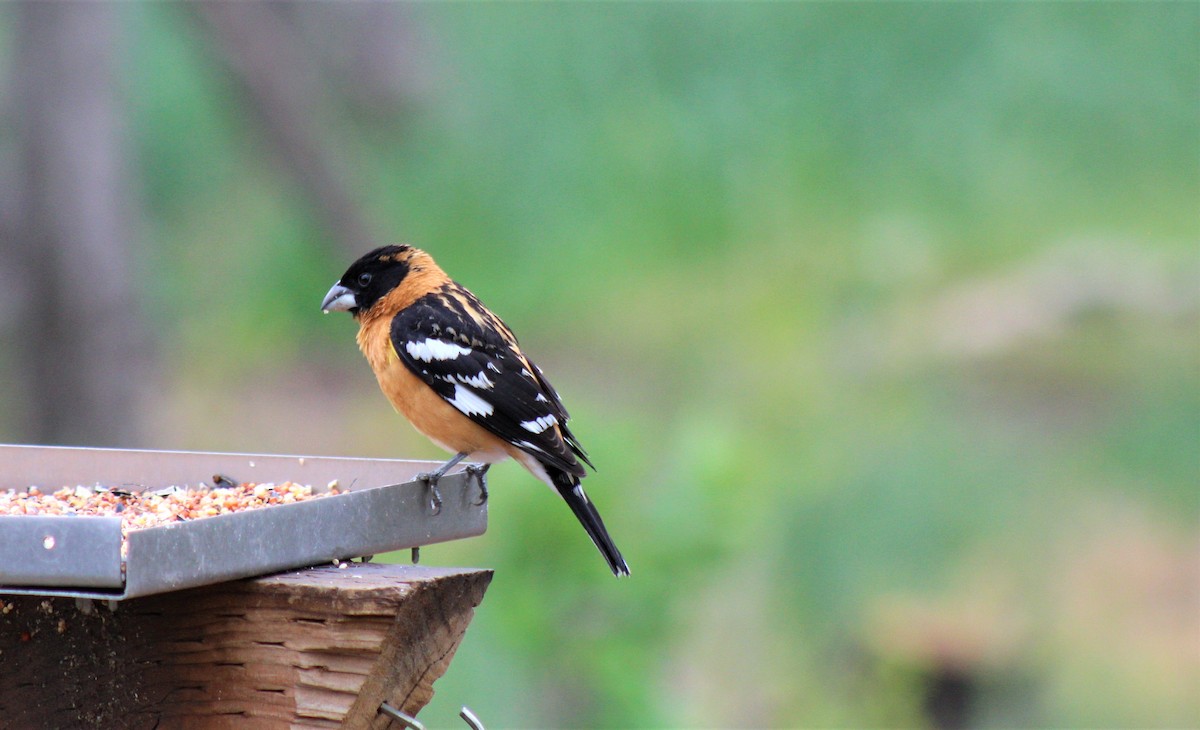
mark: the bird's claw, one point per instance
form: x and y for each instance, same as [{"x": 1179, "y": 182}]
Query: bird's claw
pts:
[
  {"x": 480, "y": 474},
  {"x": 431, "y": 483}
]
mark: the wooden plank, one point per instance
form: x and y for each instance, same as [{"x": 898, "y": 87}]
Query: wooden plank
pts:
[{"x": 320, "y": 648}]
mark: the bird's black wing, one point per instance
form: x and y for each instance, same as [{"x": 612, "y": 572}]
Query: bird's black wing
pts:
[{"x": 470, "y": 358}]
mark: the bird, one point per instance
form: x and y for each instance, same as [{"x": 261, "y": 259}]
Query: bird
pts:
[{"x": 457, "y": 373}]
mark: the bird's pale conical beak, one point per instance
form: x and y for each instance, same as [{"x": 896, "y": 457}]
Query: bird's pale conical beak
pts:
[{"x": 339, "y": 299}]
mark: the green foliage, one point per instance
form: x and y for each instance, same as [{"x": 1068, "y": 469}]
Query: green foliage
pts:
[{"x": 878, "y": 319}]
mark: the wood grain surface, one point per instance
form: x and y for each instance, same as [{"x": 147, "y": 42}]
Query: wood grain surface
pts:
[{"x": 314, "y": 648}]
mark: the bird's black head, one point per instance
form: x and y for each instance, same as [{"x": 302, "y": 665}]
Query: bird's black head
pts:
[{"x": 368, "y": 280}]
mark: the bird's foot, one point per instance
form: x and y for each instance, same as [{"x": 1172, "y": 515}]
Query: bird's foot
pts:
[
  {"x": 480, "y": 474},
  {"x": 431, "y": 480}
]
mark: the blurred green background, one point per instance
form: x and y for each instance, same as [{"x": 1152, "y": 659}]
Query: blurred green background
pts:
[{"x": 880, "y": 322}]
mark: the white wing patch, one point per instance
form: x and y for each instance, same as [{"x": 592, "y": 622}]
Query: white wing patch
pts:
[
  {"x": 469, "y": 403},
  {"x": 528, "y": 445},
  {"x": 538, "y": 425},
  {"x": 431, "y": 349},
  {"x": 481, "y": 381}
]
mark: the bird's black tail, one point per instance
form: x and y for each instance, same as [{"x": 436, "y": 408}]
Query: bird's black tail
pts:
[{"x": 569, "y": 488}]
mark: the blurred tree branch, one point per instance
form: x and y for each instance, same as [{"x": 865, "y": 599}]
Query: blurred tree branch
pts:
[
  {"x": 83, "y": 348},
  {"x": 282, "y": 83}
]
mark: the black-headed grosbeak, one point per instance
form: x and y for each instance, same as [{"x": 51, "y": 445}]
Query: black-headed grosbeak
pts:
[{"x": 456, "y": 372}]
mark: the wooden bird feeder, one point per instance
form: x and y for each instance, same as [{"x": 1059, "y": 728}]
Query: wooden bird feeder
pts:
[{"x": 176, "y": 625}]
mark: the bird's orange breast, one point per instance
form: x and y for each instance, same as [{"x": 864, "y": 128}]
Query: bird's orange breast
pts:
[{"x": 427, "y": 411}]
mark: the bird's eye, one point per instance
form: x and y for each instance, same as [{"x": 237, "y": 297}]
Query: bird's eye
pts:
[{"x": 364, "y": 279}]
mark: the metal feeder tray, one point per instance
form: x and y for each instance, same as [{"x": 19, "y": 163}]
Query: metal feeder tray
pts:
[{"x": 380, "y": 509}]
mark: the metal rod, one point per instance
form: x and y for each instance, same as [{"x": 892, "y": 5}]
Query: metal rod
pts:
[
  {"x": 408, "y": 720},
  {"x": 471, "y": 718}
]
